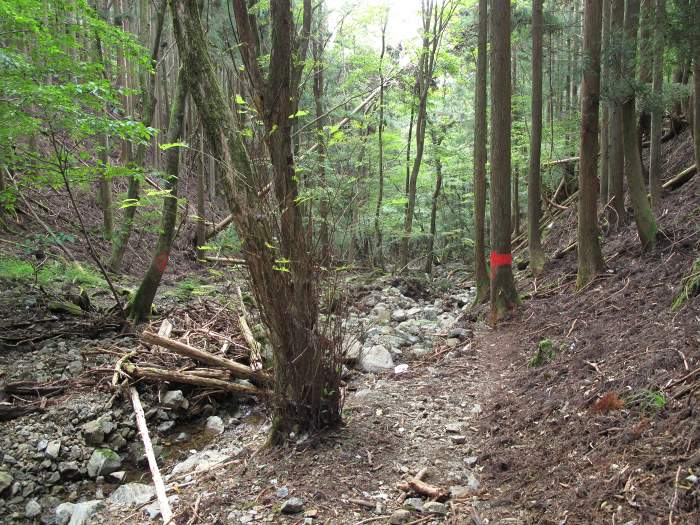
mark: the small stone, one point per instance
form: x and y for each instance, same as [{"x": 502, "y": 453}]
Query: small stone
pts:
[
  {"x": 118, "y": 475},
  {"x": 473, "y": 483},
  {"x": 459, "y": 333},
  {"x": 458, "y": 440},
  {"x": 413, "y": 504},
  {"x": 452, "y": 342},
  {"x": 383, "y": 315},
  {"x": 399, "y": 517},
  {"x": 132, "y": 494},
  {"x": 5, "y": 481},
  {"x": 453, "y": 428},
  {"x": 435, "y": 507},
  {"x": 201, "y": 461},
  {"x": 175, "y": 399},
  {"x": 214, "y": 426},
  {"x": 282, "y": 492},
  {"x": 32, "y": 509},
  {"x": 93, "y": 433},
  {"x": 181, "y": 437},
  {"x": 471, "y": 460},
  {"x": 53, "y": 449},
  {"x": 476, "y": 409},
  {"x": 68, "y": 469},
  {"x": 166, "y": 426},
  {"x": 376, "y": 359},
  {"x": 292, "y": 506},
  {"x": 102, "y": 462},
  {"x": 64, "y": 512},
  {"x": 399, "y": 316},
  {"x": 459, "y": 491},
  {"x": 83, "y": 511}
]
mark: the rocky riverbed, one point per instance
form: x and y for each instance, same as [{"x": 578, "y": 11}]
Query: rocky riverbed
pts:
[{"x": 83, "y": 455}]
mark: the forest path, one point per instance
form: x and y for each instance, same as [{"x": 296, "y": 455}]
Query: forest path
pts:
[{"x": 394, "y": 426}]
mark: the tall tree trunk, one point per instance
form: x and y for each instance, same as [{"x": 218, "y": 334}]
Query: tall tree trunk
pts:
[
  {"x": 504, "y": 296},
  {"x": 617, "y": 215},
  {"x": 147, "y": 112},
  {"x": 318, "y": 88},
  {"x": 436, "y": 137},
  {"x": 515, "y": 208},
  {"x": 657, "y": 105},
  {"x": 534, "y": 189},
  {"x": 140, "y": 307},
  {"x": 379, "y": 248},
  {"x": 276, "y": 246},
  {"x": 480, "y": 156},
  {"x": 643, "y": 216},
  {"x": 403, "y": 248},
  {"x": 590, "y": 259},
  {"x": 201, "y": 233},
  {"x": 604, "y": 167},
  {"x": 696, "y": 85}
]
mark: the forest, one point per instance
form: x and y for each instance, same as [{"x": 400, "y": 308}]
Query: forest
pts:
[{"x": 350, "y": 262}]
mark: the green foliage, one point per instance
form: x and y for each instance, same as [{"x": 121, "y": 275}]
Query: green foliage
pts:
[
  {"x": 50, "y": 273},
  {"x": 690, "y": 287},
  {"x": 544, "y": 354},
  {"x": 56, "y": 90},
  {"x": 648, "y": 400}
]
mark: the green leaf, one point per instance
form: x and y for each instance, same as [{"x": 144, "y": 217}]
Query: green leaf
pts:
[{"x": 166, "y": 147}]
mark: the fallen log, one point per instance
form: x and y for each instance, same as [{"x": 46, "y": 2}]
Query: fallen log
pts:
[
  {"x": 218, "y": 227},
  {"x": 680, "y": 179},
  {"x": 237, "y": 369},
  {"x": 159, "y": 374}
]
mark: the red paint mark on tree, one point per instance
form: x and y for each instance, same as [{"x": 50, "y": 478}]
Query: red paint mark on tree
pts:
[
  {"x": 500, "y": 259},
  {"x": 161, "y": 261}
]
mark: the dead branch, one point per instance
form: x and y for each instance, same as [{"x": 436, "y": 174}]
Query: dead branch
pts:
[
  {"x": 159, "y": 374},
  {"x": 225, "y": 260},
  {"x": 182, "y": 349},
  {"x": 165, "y": 510},
  {"x": 255, "y": 349},
  {"x": 680, "y": 179}
]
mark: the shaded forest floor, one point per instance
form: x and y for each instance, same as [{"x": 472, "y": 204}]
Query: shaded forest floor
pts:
[{"x": 582, "y": 407}]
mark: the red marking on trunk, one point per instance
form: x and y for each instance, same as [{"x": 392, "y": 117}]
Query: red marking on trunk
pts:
[
  {"x": 161, "y": 261},
  {"x": 500, "y": 259}
]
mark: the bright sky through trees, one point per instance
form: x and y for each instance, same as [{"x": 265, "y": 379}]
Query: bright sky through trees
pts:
[{"x": 404, "y": 17}]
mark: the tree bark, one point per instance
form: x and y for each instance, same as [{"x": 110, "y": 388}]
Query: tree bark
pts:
[
  {"x": 504, "y": 296},
  {"x": 696, "y": 83},
  {"x": 644, "y": 218},
  {"x": 435, "y": 15},
  {"x": 379, "y": 248},
  {"x": 318, "y": 89},
  {"x": 140, "y": 307},
  {"x": 276, "y": 246},
  {"x": 590, "y": 259},
  {"x": 437, "y": 136},
  {"x": 617, "y": 215},
  {"x": 657, "y": 105},
  {"x": 480, "y": 156},
  {"x": 148, "y": 88},
  {"x": 604, "y": 167},
  {"x": 534, "y": 189}
]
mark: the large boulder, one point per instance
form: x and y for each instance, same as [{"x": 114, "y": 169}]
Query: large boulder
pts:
[{"x": 376, "y": 359}]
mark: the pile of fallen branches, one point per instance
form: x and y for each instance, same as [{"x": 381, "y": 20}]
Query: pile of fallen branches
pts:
[{"x": 200, "y": 354}]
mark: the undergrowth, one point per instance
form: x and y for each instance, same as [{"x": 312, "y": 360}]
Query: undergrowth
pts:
[{"x": 49, "y": 273}]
